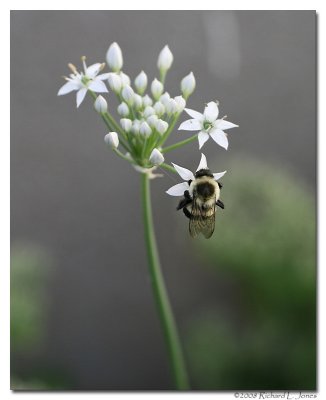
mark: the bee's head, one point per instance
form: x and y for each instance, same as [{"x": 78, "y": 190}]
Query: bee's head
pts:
[{"x": 204, "y": 172}]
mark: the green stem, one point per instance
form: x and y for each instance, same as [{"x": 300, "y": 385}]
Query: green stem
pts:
[
  {"x": 168, "y": 167},
  {"x": 179, "y": 144},
  {"x": 160, "y": 294},
  {"x": 170, "y": 129}
]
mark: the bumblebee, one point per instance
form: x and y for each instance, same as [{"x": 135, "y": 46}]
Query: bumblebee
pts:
[{"x": 199, "y": 203}]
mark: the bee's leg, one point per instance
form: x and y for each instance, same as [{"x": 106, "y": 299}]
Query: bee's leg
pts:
[
  {"x": 220, "y": 203},
  {"x": 186, "y": 212},
  {"x": 185, "y": 201},
  {"x": 220, "y": 185}
]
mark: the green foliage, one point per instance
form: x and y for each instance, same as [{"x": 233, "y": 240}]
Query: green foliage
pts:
[{"x": 265, "y": 242}]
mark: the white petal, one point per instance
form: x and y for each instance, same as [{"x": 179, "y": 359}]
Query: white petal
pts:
[
  {"x": 202, "y": 138},
  {"x": 80, "y": 96},
  {"x": 218, "y": 175},
  {"x": 185, "y": 174},
  {"x": 67, "y": 88},
  {"x": 178, "y": 190},
  {"x": 211, "y": 112},
  {"x": 223, "y": 125},
  {"x": 103, "y": 77},
  {"x": 93, "y": 70},
  {"x": 220, "y": 138},
  {"x": 203, "y": 162},
  {"x": 190, "y": 125},
  {"x": 194, "y": 114},
  {"x": 98, "y": 86}
]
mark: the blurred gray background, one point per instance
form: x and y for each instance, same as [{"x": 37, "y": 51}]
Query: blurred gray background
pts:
[{"x": 80, "y": 204}]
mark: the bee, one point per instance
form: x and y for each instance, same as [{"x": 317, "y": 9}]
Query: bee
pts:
[{"x": 200, "y": 201}]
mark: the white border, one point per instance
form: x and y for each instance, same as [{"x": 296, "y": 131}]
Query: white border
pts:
[{"x": 320, "y": 6}]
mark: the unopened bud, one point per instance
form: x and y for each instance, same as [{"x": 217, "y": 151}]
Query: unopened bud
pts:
[
  {"x": 159, "y": 108},
  {"x": 151, "y": 120},
  {"x": 114, "y": 57},
  {"x": 126, "y": 124},
  {"x": 171, "y": 106},
  {"x": 148, "y": 111},
  {"x": 112, "y": 139},
  {"x": 181, "y": 103},
  {"x": 188, "y": 85},
  {"x": 161, "y": 126},
  {"x": 157, "y": 88},
  {"x": 141, "y": 82},
  {"x": 138, "y": 101},
  {"x": 156, "y": 157},
  {"x": 135, "y": 126},
  {"x": 124, "y": 79},
  {"x": 165, "y": 98},
  {"x": 123, "y": 109},
  {"x": 165, "y": 59},
  {"x": 145, "y": 129},
  {"x": 100, "y": 104},
  {"x": 115, "y": 82},
  {"x": 147, "y": 101},
  {"x": 128, "y": 95}
]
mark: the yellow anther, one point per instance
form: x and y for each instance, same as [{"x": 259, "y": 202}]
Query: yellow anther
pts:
[{"x": 72, "y": 68}]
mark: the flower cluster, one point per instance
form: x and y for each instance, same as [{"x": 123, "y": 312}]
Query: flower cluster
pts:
[{"x": 147, "y": 112}]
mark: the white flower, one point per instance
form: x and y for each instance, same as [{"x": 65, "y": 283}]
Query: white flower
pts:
[
  {"x": 145, "y": 129},
  {"x": 181, "y": 103},
  {"x": 188, "y": 85},
  {"x": 171, "y": 106},
  {"x": 151, "y": 120},
  {"x": 165, "y": 59},
  {"x": 165, "y": 98},
  {"x": 161, "y": 126},
  {"x": 114, "y": 57},
  {"x": 100, "y": 104},
  {"x": 147, "y": 101},
  {"x": 128, "y": 94},
  {"x": 141, "y": 82},
  {"x": 112, "y": 139},
  {"x": 186, "y": 175},
  {"x": 157, "y": 88},
  {"x": 126, "y": 124},
  {"x": 156, "y": 157},
  {"x": 208, "y": 125},
  {"x": 83, "y": 81},
  {"x": 123, "y": 109},
  {"x": 115, "y": 82},
  {"x": 135, "y": 126}
]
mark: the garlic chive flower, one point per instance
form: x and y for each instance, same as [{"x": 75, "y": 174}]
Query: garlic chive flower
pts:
[
  {"x": 156, "y": 88},
  {"x": 188, "y": 85},
  {"x": 152, "y": 120},
  {"x": 147, "y": 101},
  {"x": 81, "y": 82},
  {"x": 156, "y": 157},
  {"x": 114, "y": 57},
  {"x": 123, "y": 109},
  {"x": 112, "y": 139},
  {"x": 161, "y": 126},
  {"x": 125, "y": 79},
  {"x": 138, "y": 101},
  {"x": 144, "y": 129},
  {"x": 128, "y": 95},
  {"x": 165, "y": 59},
  {"x": 208, "y": 125},
  {"x": 187, "y": 175},
  {"x": 126, "y": 124},
  {"x": 141, "y": 83},
  {"x": 100, "y": 104},
  {"x": 115, "y": 82}
]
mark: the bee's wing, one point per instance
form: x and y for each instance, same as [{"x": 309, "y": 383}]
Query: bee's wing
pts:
[{"x": 201, "y": 223}]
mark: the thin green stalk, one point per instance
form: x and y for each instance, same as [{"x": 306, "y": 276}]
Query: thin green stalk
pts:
[
  {"x": 168, "y": 167},
  {"x": 160, "y": 294},
  {"x": 179, "y": 144},
  {"x": 170, "y": 129}
]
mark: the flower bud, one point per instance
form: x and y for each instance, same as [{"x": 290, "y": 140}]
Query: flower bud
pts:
[
  {"x": 147, "y": 101},
  {"x": 151, "y": 120},
  {"x": 188, "y": 85},
  {"x": 138, "y": 101},
  {"x": 128, "y": 95},
  {"x": 112, "y": 139},
  {"x": 145, "y": 129},
  {"x": 181, "y": 103},
  {"x": 100, "y": 104},
  {"x": 126, "y": 124},
  {"x": 157, "y": 88},
  {"x": 114, "y": 57},
  {"x": 171, "y": 107},
  {"x": 115, "y": 82},
  {"x": 148, "y": 111},
  {"x": 156, "y": 157},
  {"x": 161, "y": 126},
  {"x": 124, "y": 79},
  {"x": 141, "y": 82},
  {"x": 135, "y": 126},
  {"x": 164, "y": 98},
  {"x": 159, "y": 108},
  {"x": 123, "y": 109},
  {"x": 165, "y": 59}
]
